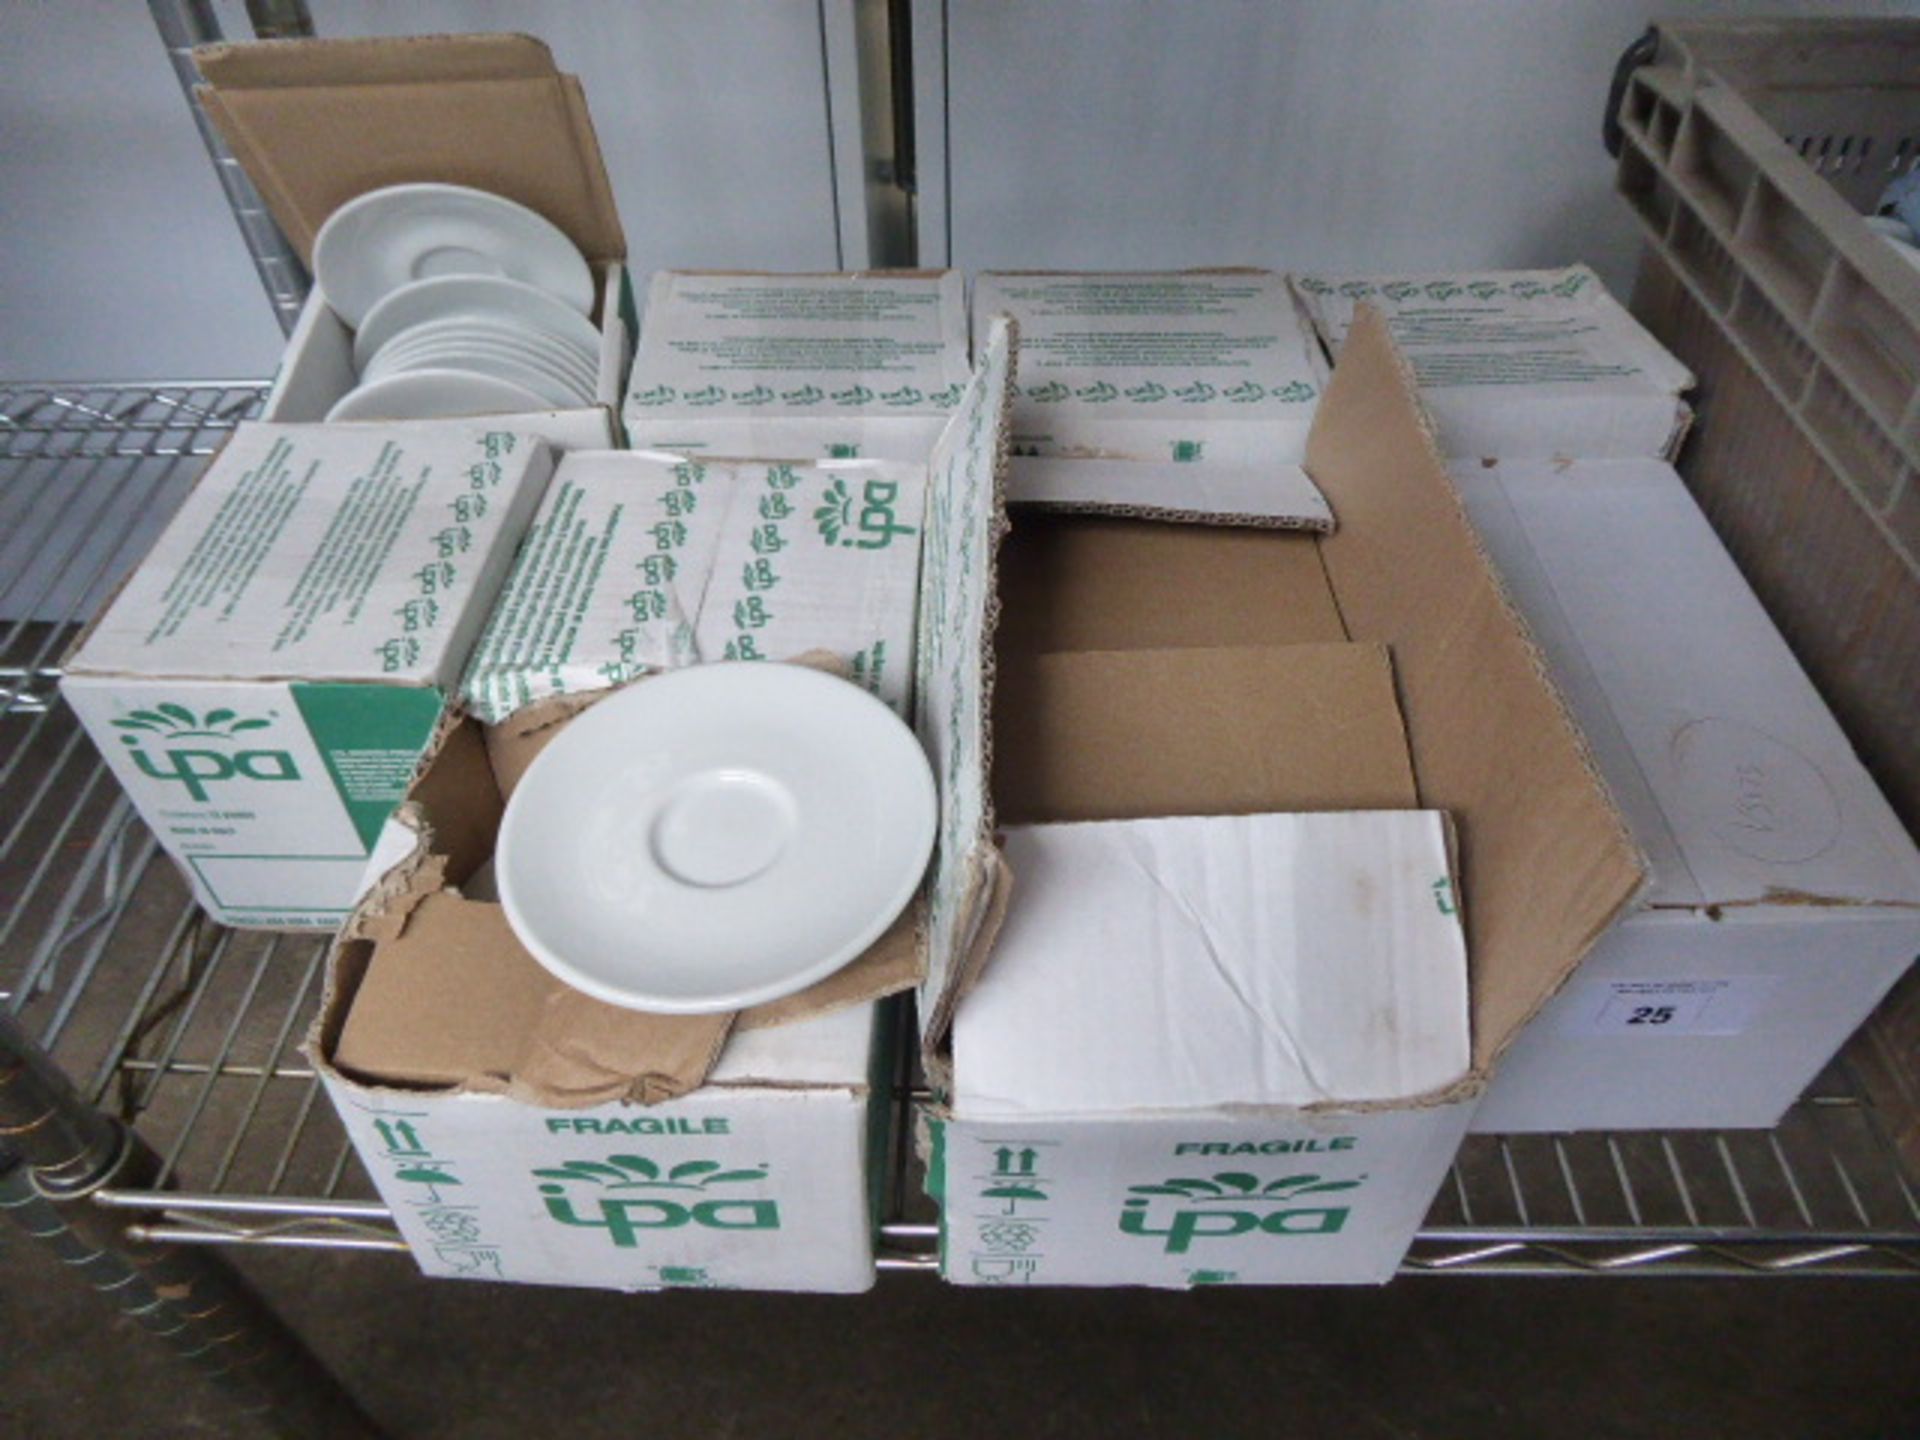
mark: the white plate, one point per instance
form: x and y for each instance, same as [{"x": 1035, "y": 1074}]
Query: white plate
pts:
[
  {"x": 472, "y": 297},
  {"x": 556, "y": 392},
  {"x": 374, "y": 244},
  {"x": 435, "y": 395},
  {"x": 716, "y": 837},
  {"x": 403, "y": 352},
  {"x": 561, "y": 352}
]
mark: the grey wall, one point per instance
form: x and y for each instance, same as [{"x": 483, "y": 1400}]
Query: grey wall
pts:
[
  {"x": 119, "y": 259},
  {"x": 1307, "y": 134},
  {"x": 118, "y": 256},
  {"x": 1304, "y": 133}
]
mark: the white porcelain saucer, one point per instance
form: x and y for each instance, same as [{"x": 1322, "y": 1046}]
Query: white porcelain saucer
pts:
[
  {"x": 560, "y": 353},
  {"x": 716, "y": 837},
  {"x": 560, "y": 388},
  {"x": 380, "y": 241},
  {"x": 435, "y": 395},
  {"x": 490, "y": 298}
]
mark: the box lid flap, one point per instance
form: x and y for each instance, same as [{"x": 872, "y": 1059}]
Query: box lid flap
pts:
[
  {"x": 1077, "y": 582},
  {"x": 1732, "y": 772},
  {"x": 317, "y": 122},
  {"x": 1547, "y": 863},
  {"x": 965, "y": 519},
  {"x": 1271, "y": 960},
  {"x": 1108, "y": 735},
  {"x": 1276, "y": 496}
]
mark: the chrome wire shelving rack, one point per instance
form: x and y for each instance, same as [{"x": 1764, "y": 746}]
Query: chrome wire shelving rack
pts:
[{"x": 193, "y": 1032}]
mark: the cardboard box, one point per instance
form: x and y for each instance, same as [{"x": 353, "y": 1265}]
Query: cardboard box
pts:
[
  {"x": 865, "y": 365},
  {"x": 317, "y": 124},
  {"x": 1180, "y": 394},
  {"x": 1342, "y": 842},
  {"x": 523, "y": 1131},
  {"x": 1785, "y": 897},
  {"x": 266, "y": 681},
  {"x": 765, "y": 1177},
  {"x": 1520, "y": 364},
  {"x": 644, "y": 561}
]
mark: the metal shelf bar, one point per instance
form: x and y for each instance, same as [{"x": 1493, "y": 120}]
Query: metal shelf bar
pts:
[{"x": 191, "y": 1034}]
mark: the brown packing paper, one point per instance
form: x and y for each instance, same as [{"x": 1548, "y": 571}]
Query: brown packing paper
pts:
[
  {"x": 455, "y": 1000},
  {"x": 1112, "y": 735}
]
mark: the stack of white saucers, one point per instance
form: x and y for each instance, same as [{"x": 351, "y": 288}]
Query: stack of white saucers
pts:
[{"x": 462, "y": 303}]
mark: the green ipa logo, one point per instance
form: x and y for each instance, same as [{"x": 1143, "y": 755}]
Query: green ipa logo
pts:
[
  {"x": 171, "y": 742},
  {"x": 1183, "y": 1210},
  {"x": 629, "y": 1195},
  {"x": 869, "y": 522}
]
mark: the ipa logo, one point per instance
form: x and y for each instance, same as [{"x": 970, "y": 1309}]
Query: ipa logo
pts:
[
  {"x": 631, "y": 1195},
  {"x": 1231, "y": 1203},
  {"x": 195, "y": 765},
  {"x": 874, "y": 524}
]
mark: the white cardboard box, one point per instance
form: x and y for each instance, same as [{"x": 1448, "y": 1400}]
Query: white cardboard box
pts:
[
  {"x": 1193, "y": 1115},
  {"x": 1785, "y": 897},
  {"x": 317, "y": 124},
  {"x": 640, "y": 561},
  {"x": 1520, "y": 364},
  {"x": 490, "y": 1176},
  {"x": 265, "y": 683},
  {"x": 317, "y": 369},
  {"x": 864, "y": 366},
  {"x": 1176, "y": 393},
  {"x": 1181, "y": 1028},
  {"x": 763, "y": 1179}
]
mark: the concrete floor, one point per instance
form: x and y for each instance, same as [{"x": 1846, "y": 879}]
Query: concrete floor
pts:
[{"x": 1443, "y": 1358}]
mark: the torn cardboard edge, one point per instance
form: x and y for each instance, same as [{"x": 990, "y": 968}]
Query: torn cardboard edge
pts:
[{"x": 961, "y": 896}]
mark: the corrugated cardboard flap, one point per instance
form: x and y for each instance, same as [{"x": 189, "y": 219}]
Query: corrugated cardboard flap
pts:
[
  {"x": 1276, "y": 496},
  {"x": 317, "y": 122},
  {"x": 1547, "y": 862},
  {"x": 959, "y": 608}
]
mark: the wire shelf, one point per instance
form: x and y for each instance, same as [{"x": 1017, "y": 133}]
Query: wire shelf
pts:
[{"x": 193, "y": 1031}]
